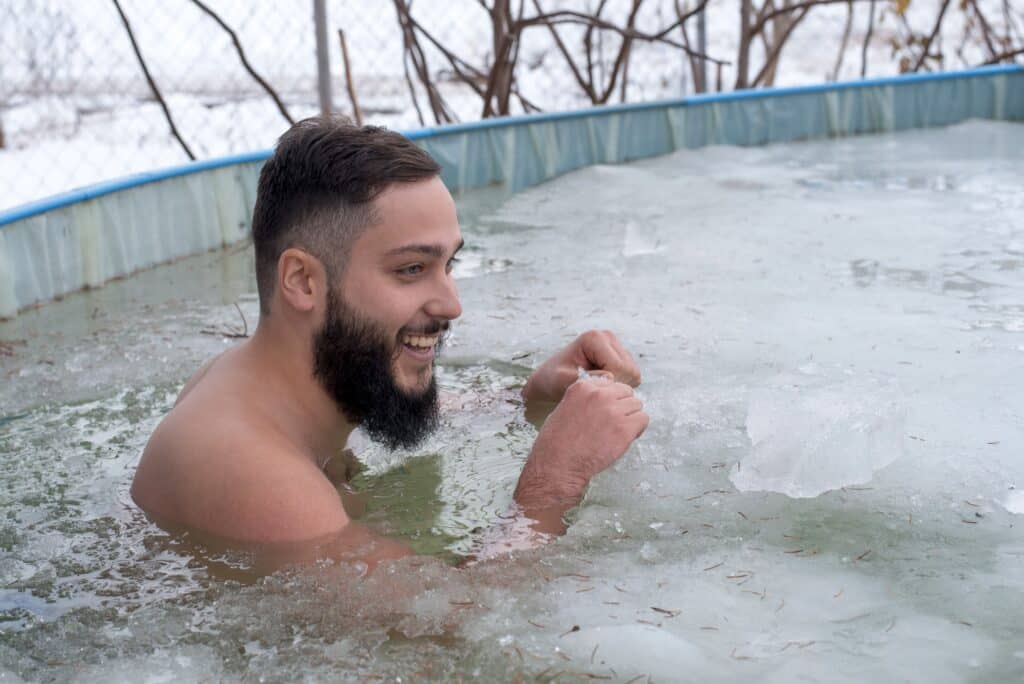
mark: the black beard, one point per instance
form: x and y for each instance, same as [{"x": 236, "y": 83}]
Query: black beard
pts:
[{"x": 352, "y": 359}]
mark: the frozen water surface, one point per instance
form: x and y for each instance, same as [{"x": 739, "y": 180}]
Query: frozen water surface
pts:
[{"x": 830, "y": 489}]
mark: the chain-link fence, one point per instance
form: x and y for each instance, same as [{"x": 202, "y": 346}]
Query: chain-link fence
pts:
[{"x": 97, "y": 89}]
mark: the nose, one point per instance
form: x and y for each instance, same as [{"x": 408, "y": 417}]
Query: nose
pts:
[{"x": 445, "y": 302}]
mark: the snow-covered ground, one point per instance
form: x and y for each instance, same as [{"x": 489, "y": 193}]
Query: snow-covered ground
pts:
[{"x": 75, "y": 108}]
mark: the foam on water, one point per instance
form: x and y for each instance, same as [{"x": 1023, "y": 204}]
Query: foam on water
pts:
[{"x": 840, "y": 318}]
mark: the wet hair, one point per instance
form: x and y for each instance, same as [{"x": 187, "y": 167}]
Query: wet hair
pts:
[{"x": 316, "y": 192}]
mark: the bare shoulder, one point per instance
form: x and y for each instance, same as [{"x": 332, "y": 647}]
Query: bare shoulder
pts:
[
  {"x": 197, "y": 378},
  {"x": 213, "y": 469}
]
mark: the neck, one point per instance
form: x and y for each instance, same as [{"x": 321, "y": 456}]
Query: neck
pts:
[{"x": 294, "y": 398}]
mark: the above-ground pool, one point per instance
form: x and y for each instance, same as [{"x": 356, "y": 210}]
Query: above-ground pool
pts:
[{"x": 832, "y": 341}]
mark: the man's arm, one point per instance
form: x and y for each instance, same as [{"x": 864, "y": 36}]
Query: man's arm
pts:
[{"x": 594, "y": 424}]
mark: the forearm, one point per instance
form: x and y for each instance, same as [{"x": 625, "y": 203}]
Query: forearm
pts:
[{"x": 535, "y": 518}]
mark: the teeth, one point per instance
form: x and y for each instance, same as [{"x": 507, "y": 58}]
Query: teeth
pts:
[{"x": 421, "y": 341}]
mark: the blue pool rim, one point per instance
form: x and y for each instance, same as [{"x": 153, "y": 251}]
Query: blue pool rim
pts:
[{"x": 109, "y": 187}]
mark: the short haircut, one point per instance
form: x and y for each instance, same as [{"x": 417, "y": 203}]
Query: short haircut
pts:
[{"x": 316, "y": 192}]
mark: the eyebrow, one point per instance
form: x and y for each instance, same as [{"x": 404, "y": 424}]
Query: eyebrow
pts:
[{"x": 436, "y": 251}]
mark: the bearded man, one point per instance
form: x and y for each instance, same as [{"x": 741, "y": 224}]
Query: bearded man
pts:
[{"x": 355, "y": 237}]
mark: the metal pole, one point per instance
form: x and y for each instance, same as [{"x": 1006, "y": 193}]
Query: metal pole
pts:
[
  {"x": 323, "y": 64},
  {"x": 702, "y": 48}
]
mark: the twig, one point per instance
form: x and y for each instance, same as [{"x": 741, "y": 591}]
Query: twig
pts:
[
  {"x": 1005, "y": 55},
  {"x": 152, "y": 84},
  {"x": 844, "y": 42},
  {"x": 570, "y": 17},
  {"x": 357, "y": 114},
  {"x": 245, "y": 62},
  {"x": 408, "y": 80},
  {"x": 773, "y": 57},
  {"x": 931, "y": 37},
  {"x": 867, "y": 39},
  {"x": 7, "y": 348},
  {"x": 231, "y": 334}
]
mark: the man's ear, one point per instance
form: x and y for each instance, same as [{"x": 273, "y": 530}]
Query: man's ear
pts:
[{"x": 301, "y": 278}]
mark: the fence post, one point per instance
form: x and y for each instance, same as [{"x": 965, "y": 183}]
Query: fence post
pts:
[{"x": 323, "y": 63}]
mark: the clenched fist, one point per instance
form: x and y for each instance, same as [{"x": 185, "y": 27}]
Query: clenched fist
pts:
[
  {"x": 589, "y": 430},
  {"x": 594, "y": 350}
]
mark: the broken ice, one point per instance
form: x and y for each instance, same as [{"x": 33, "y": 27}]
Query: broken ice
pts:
[{"x": 809, "y": 440}]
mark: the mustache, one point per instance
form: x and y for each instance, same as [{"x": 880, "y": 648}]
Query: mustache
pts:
[{"x": 430, "y": 328}]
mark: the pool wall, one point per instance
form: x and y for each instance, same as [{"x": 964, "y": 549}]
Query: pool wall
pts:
[{"x": 86, "y": 237}]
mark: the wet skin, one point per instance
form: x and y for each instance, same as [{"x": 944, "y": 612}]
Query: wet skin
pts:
[{"x": 240, "y": 456}]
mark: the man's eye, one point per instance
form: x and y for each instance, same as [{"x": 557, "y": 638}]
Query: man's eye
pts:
[
  {"x": 451, "y": 264},
  {"x": 413, "y": 270}
]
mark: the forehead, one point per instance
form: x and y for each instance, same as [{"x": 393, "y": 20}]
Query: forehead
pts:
[{"x": 421, "y": 212}]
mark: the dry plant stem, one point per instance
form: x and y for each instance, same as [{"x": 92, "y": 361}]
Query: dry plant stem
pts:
[
  {"x": 245, "y": 62},
  {"x": 695, "y": 61},
  {"x": 1006, "y": 56},
  {"x": 152, "y": 84},
  {"x": 588, "y": 45},
  {"x": 357, "y": 113},
  {"x": 768, "y": 11},
  {"x": 773, "y": 57},
  {"x": 986, "y": 29},
  {"x": 743, "y": 52},
  {"x": 408, "y": 80},
  {"x": 931, "y": 37},
  {"x": 622, "y": 59},
  {"x": 437, "y": 105},
  {"x": 231, "y": 334},
  {"x": 467, "y": 73},
  {"x": 867, "y": 40},
  {"x": 587, "y": 84},
  {"x": 567, "y": 17},
  {"x": 505, "y": 51},
  {"x": 844, "y": 42}
]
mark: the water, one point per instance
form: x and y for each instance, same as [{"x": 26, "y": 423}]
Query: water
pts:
[{"x": 831, "y": 341}]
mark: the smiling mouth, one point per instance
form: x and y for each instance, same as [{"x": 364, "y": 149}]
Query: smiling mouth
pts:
[{"x": 420, "y": 347}]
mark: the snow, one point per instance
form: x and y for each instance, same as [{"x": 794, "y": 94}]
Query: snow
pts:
[{"x": 76, "y": 110}]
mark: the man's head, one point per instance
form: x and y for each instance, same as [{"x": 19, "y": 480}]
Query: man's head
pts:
[
  {"x": 317, "y": 191},
  {"x": 355, "y": 239}
]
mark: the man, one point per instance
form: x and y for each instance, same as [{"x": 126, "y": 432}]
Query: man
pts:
[{"x": 355, "y": 237}]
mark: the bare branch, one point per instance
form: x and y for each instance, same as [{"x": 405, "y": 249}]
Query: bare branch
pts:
[
  {"x": 931, "y": 37},
  {"x": 986, "y": 29},
  {"x": 419, "y": 61},
  {"x": 586, "y": 85},
  {"x": 570, "y": 17},
  {"x": 743, "y": 52},
  {"x": 844, "y": 42},
  {"x": 764, "y": 18},
  {"x": 867, "y": 40},
  {"x": 623, "y": 56},
  {"x": 357, "y": 114},
  {"x": 152, "y": 84},
  {"x": 245, "y": 62},
  {"x": 780, "y": 42},
  {"x": 1005, "y": 55}
]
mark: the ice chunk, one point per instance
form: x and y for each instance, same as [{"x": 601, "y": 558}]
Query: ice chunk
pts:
[
  {"x": 808, "y": 440},
  {"x": 638, "y": 241},
  {"x": 1014, "y": 501}
]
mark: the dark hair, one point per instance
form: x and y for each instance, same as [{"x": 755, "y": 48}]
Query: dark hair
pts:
[{"x": 316, "y": 191}]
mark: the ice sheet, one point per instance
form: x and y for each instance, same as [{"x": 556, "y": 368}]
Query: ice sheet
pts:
[{"x": 822, "y": 308}]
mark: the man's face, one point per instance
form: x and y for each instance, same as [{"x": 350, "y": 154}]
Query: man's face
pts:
[{"x": 375, "y": 350}]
